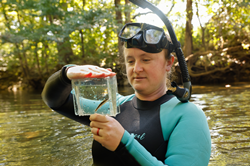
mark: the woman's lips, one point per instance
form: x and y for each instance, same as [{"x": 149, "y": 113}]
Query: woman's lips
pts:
[{"x": 139, "y": 78}]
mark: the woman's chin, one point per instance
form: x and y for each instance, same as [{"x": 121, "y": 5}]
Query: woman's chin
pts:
[{"x": 138, "y": 88}]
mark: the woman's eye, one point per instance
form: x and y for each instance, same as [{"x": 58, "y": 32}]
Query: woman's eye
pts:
[
  {"x": 146, "y": 60},
  {"x": 130, "y": 61}
]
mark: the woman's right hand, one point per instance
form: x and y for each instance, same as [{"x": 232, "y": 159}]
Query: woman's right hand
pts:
[{"x": 83, "y": 71}]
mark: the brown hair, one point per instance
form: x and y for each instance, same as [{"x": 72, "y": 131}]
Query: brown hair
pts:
[{"x": 170, "y": 76}]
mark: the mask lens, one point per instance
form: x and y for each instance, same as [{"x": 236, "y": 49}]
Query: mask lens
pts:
[
  {"x": 129, "y": 31},
  {"x": 153, "y": 36}
]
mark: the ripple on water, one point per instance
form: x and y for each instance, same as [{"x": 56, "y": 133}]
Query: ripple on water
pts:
[
  {"x": 32, "y": 134},
  {"x": 229, "y": 122}
]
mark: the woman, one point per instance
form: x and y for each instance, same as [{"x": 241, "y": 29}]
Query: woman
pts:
[{"x": 153, "y": 128}]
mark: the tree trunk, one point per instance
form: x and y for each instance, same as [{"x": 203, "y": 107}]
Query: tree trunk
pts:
[
  {"x": 82, "y": 42},
  {"x": 24, "y": 52},
  {"x": 202, "y": 28},
  {"x": 118, "y": 16},
  {"x": 25, "y": 60},
  {"x": 203, "y": 38},
  {"x": 46, "y": 48},
  {"x": 25, "y": 71},
  {"x": 38, "y": 63},
  {"x": 65, "y": 51},
  {"x": 81, "y": 33},
  {"x": 127, "y": 12},
  {"x": 24, "y": 67},
  {"x": 189, "y": 30}
]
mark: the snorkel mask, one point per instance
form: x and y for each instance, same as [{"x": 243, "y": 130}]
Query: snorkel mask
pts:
[
  {"x": 139, "y": 40},
  {"x": 146, "y": 37}
]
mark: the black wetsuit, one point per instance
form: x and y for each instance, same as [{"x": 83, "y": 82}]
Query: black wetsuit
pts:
[{"x": 160, "y": 132}]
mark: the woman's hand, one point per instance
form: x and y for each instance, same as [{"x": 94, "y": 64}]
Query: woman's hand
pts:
[
  {"x": 110, "y": 131},
  {"x": 83, "y": 71}
]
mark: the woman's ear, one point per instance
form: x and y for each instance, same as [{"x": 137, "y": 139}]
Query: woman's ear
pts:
[{"x": 169, "y": 63}]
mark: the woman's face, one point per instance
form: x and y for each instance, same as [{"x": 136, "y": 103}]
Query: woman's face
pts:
[{"x": 147, "y": 72}]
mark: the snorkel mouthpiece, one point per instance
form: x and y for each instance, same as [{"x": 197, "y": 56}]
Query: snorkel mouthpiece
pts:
[{"x": 183, "y": 94}]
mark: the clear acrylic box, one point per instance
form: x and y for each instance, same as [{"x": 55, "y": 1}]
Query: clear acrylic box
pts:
[{"x": 88, "y": 93}]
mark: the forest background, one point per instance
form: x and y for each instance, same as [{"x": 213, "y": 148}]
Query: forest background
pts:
[{"x": 38, "y": 37}]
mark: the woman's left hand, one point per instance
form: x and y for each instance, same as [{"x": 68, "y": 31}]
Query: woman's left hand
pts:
[{"x": 110, "y": 131}]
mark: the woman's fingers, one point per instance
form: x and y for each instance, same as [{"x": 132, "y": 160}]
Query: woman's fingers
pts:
[
  {"x": 98, "y": 121},
  {"x": 107, "y": 131},
  {"x": 96, "y": 131},
  {"x": 91, "y": 71},
  {"x": 100, "y": 72},
  {"x": 99, "y": 118}
]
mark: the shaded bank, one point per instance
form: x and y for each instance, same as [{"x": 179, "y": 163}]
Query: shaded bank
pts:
[{"x": 227, "y": 65}]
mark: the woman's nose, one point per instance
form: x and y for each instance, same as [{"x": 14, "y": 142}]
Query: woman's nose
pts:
[{"x": 138, "y": 67}]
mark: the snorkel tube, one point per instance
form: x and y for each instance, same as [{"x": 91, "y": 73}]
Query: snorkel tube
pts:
[{"x": 183, "y": 94}]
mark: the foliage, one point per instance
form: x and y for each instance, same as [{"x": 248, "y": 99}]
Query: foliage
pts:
[
  {"x": 41, "y": 36},
  {"x": 221, "y": 45},
  {"x": 180, "y": 34},
  {"x": 229, "y": 24},
  {"x": 38, "y": 37}
]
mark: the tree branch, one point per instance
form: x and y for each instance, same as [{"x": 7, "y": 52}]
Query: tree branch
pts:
[
  {"x": 171, "y": 8},
  {"x": 140, "y": 14},
  {"x": 192, "y": 74}
]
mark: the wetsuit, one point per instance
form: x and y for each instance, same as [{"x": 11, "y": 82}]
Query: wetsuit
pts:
[{"x": 160, "y": 132}]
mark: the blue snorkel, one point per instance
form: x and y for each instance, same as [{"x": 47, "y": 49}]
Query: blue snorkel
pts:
[{"x": 183, "y": 94}]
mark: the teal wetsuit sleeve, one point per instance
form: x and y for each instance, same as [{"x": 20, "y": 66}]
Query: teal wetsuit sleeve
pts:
[
  {"x": 186, "y": 129},
  {"x": 140, "y": 154}
]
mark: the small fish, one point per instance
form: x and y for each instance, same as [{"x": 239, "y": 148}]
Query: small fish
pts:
[{"x": 101, "y": 104}]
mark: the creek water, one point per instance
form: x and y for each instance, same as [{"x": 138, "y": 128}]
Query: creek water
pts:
[{"x": 32, "y": 134}]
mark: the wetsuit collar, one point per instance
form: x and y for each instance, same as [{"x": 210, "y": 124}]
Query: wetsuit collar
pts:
[{"x": 143, "y": 105}]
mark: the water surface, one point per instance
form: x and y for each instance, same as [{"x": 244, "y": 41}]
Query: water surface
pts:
[{"x": 32, "y": 134}]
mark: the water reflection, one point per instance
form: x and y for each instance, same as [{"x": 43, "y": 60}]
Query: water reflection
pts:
[
  {"x": 229, "y": 121},
  {"x": 32, "y": 134}
]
